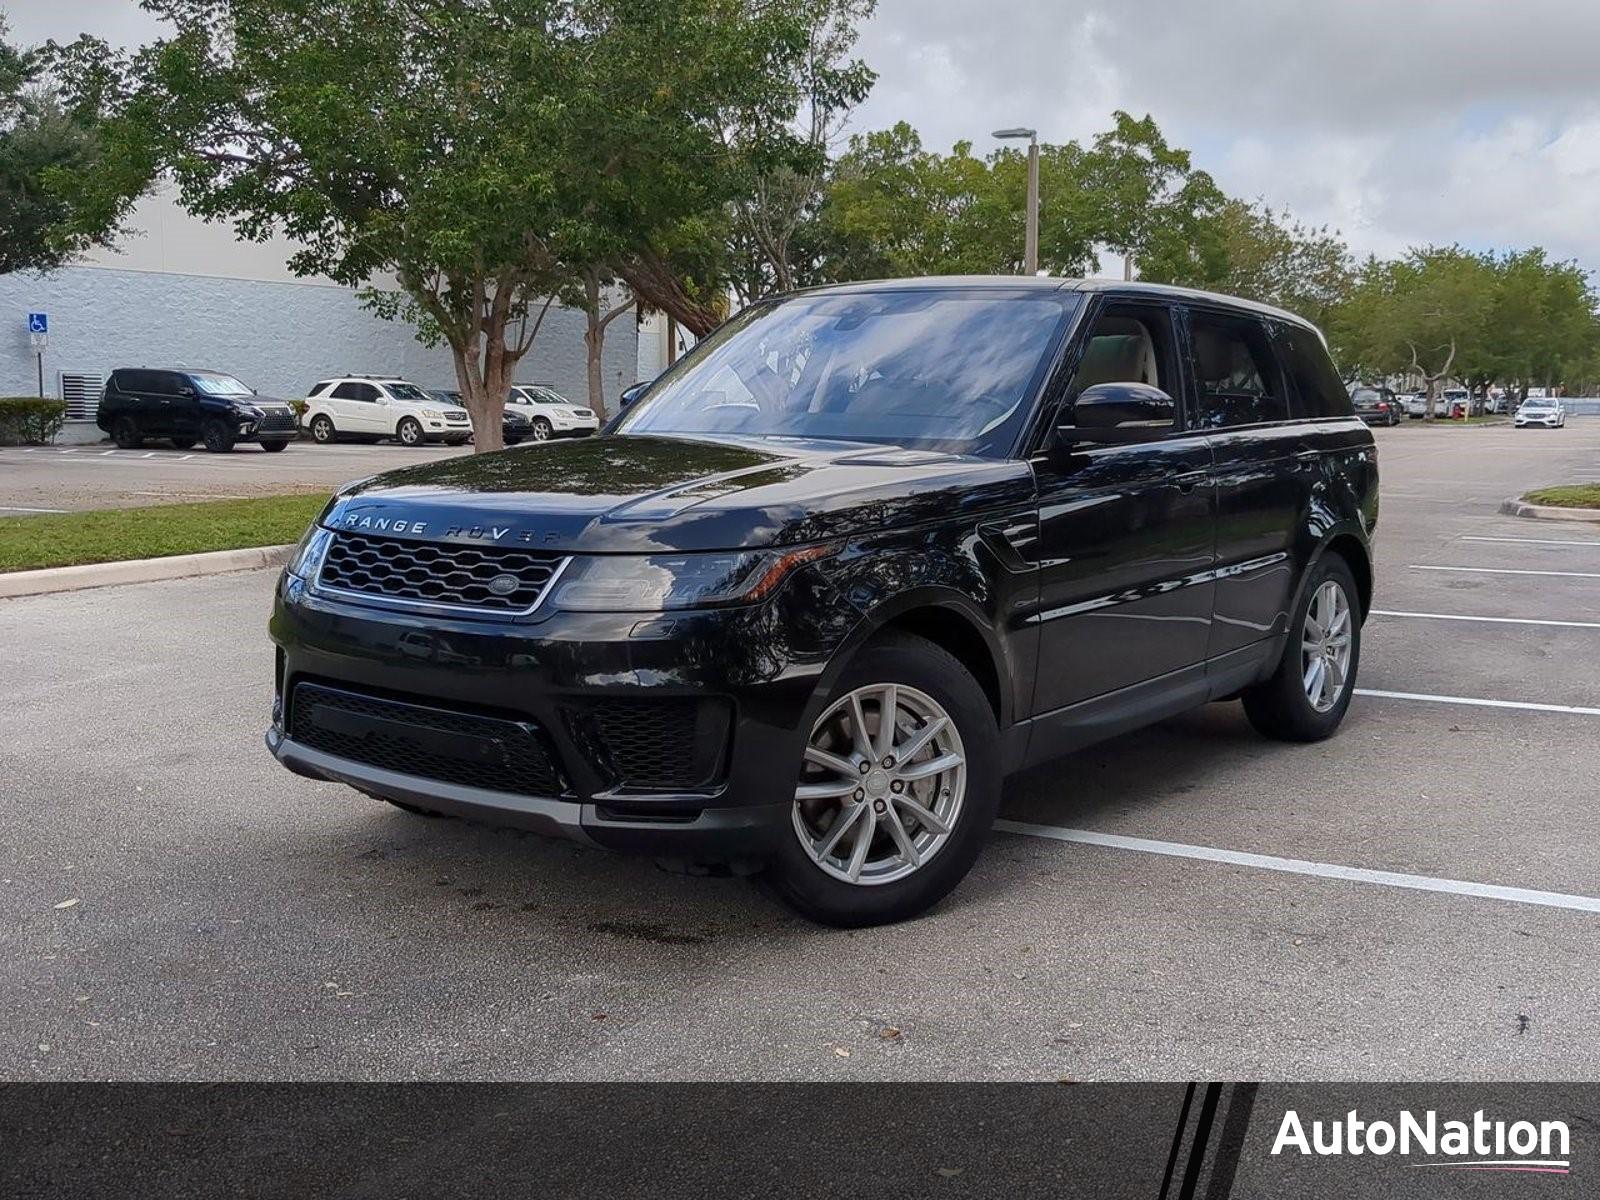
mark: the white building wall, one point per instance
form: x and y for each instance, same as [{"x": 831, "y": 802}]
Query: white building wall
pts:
[{"x": 181, "y": 293}]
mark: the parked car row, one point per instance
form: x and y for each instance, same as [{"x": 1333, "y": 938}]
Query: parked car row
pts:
[{"x": 185, "y": 407}]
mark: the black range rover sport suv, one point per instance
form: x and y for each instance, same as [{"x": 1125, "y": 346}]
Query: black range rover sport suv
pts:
[{"x": 864, "y": 552}]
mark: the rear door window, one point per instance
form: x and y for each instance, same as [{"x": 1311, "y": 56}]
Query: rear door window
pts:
[
  {"x": 1315, "y": 387},
  {"x": 1235, "y": 371},
  {"x": 355, "y": 391}
]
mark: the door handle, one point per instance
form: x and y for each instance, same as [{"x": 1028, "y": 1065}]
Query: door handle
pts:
[{"x": 1189, "y": 480}]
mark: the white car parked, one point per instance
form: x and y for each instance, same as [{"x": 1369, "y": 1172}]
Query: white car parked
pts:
[
  {"x": 549, "y": 413},
  {"x": 369, "y": 408},
  {"x": 1551, "y": 414}
]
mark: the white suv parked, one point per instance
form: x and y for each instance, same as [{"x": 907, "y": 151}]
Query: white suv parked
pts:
[
  {"x": 368, "y": 408},
  {"x": 549, "y": 413}
]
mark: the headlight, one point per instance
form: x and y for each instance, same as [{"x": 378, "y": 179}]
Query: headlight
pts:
[
  {"x": 307, "y": 558},
  {"x": 433, "y": 414},
  {"x": 658, "y": 582}
]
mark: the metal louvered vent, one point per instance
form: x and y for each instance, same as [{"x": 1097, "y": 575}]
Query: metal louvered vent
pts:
[{"x": 81, "y": 390}]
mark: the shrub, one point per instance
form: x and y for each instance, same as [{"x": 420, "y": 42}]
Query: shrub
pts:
[{"x": 28, "y": 420}]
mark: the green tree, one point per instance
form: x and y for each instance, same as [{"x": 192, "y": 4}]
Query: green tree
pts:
[
  {"x": 47, "y": 142},
  {"x": 1419, "y": 314},
  {"x": 483, "y": 156},
  {"x": 1265, "y": 255},
  {"x": 1149, "y": 203},
  {"x": 781, "y": 167}
]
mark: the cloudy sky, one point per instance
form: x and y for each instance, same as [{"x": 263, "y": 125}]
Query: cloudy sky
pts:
[{"x": 1398, "y": 121}]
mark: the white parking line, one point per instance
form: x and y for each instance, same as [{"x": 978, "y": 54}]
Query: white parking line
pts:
[
  {"x": 1384, "y": 612},
  {"x": 1300, "y": 866},
  {"x": 1530, "y": 541},
  {"x": 19, "y": 508},
  {"x": 1475, "y": 702},
  {"x": 1508, "y": 571}
]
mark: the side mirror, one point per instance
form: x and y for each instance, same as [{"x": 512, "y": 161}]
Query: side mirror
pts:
[
  {"x": 186, "y": 390},
  {"x": 630, "y": 394},
  {"x": 1118, "y": 413}
]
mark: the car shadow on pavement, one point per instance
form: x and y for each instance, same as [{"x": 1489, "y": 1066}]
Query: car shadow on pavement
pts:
[{"x": 1185, "y": 754}]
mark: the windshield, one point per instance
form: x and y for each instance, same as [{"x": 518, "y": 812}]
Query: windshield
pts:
[
  {"x": 220, "y": 385},
  {"x": 523, "y": 394},
  {"x": 406, "y": 391},
  {"x": 935, "y": 368},
  {"x": 445, "y": 397}
]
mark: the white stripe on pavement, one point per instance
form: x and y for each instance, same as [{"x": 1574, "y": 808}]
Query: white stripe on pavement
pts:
[
  {"x": 1385, "y": 612},
  {"x": 1472, "y": 537},
  {"x": 20, "y": 508},
  {"x": 1474, "y": 702},
  {"x": 1509, "y": 571},
  {"x": 1300, "y": 866}
]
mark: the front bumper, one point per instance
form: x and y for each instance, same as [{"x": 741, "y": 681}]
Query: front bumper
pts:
[{"x": 751, "y": 675}]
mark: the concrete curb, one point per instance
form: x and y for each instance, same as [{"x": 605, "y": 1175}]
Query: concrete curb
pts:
[
  {"x": 139, "y": 570},
  {"x": 1518, "y": 507}
]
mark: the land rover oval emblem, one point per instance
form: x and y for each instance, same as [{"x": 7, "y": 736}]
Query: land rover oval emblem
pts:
[{"x": 503, "y": 585}]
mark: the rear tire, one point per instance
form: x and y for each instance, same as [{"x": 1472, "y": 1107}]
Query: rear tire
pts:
[
  {"x": 322, "y": 429},
  {"x": 513, "y": 439},
  {"x": 932, "y": 689},
  {"x": 125, "y": 433},
  {"x": 217, "y": 437},
  {"x": 1282, "y": 708}
]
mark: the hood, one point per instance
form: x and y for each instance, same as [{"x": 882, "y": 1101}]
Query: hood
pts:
[{"x": 640, "y": 494}]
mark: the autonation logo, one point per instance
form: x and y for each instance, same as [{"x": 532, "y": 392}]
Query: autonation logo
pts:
[{"x": 1480, "y": 1144}]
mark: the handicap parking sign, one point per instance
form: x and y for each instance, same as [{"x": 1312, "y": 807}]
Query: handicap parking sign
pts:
[{"x": 38, "y": 323}]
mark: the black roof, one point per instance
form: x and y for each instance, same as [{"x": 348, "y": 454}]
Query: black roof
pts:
[{"x": 1043, "y": 283}]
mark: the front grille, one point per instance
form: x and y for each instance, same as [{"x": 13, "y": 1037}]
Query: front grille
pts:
[
  {"x": 277, "y": 421},
  {"x": 455, "y": 416},
  {"x": 670, "y": 742},
  {"x": 495, "y": 580},
  {"x": 433, "y": 743}
]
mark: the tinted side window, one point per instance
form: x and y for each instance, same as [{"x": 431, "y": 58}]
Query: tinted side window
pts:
[
  {"x": 320, "y": 386},
  {"x": 355, "y": 391},
  {"x": 137, "y": 381},
  {"x": 1235, "y": 372},
  {"x": 1318, "y": 390}
]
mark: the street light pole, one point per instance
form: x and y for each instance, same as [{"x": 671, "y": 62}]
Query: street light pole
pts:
[{"x": 1030, "y": 250}]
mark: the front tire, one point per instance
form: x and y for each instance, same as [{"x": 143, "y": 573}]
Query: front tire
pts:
[
  {"x": 273, "y": 447},
  {"x": 409, "y": 431},
  {"x": 541, "y": 429},
  {"x": 889, "y": 815},
  {"x": 1307, "y": 696},
  {"x": 217, "y": 436},
  {"x": 125, "y": 433}
]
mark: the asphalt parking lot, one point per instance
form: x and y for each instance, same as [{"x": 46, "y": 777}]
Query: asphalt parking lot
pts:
[
  {"x": 64, "y": 478},
  {"x": 175, "y": 906}
]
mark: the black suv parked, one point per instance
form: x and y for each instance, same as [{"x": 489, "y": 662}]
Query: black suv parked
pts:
[
  {"x": 861, "y": 554},
  {"x": 186, "y": 407}
]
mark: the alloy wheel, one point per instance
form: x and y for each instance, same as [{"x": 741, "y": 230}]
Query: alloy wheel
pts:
[
  {"x": 1325, "y": 646},
  {"x": 882, "y": 784}
]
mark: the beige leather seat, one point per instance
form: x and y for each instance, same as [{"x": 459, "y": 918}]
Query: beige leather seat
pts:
[{"x": 1121, "y": 351}]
